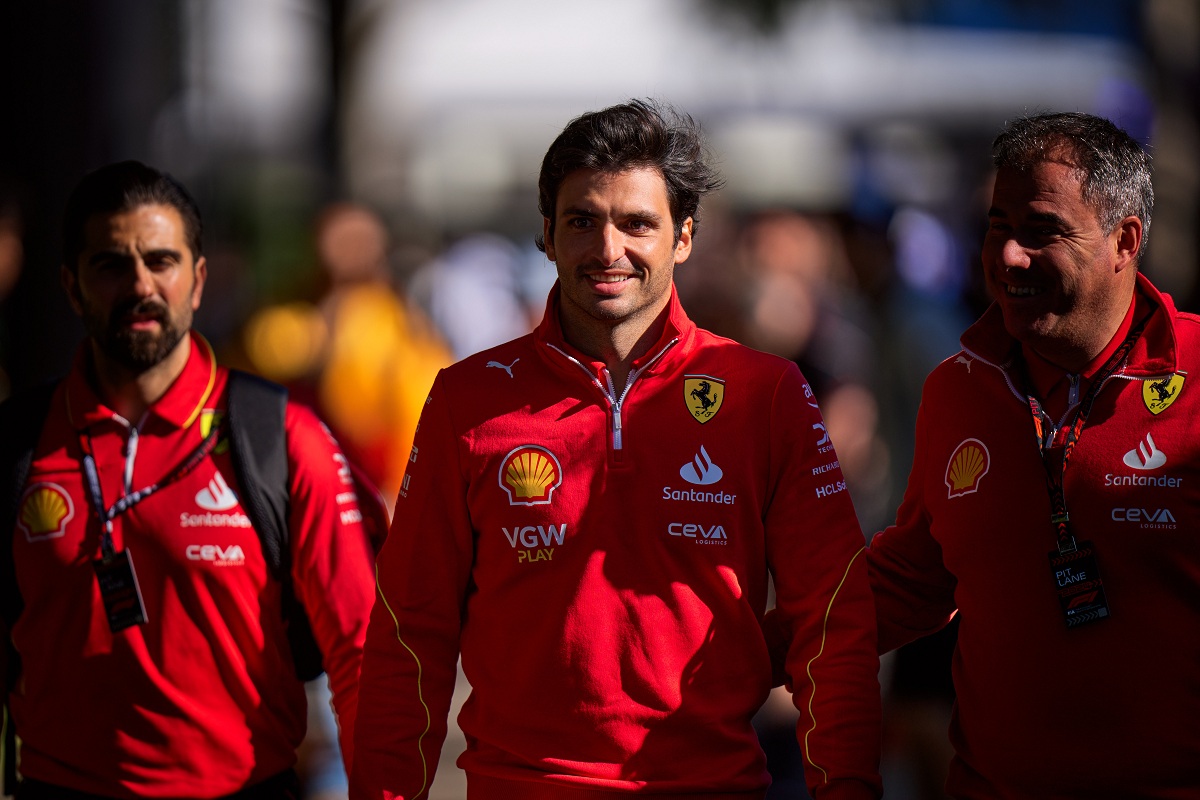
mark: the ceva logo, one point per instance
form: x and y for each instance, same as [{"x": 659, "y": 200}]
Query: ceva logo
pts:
[{"x": 214, "y": 553}]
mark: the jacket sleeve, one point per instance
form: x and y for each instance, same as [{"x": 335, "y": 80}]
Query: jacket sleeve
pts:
[
  {"x": 422, "y": 578},
  {"x": 914, "y": 592},
  {"x": 331, "y": 559},
  {"x": 817, "y": 557}
]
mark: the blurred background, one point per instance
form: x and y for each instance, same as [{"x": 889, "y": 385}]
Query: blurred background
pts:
[{"x": 367, "y": 173}]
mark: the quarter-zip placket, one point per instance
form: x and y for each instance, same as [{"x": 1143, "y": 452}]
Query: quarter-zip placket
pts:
[{"x": 607, "y": 389}]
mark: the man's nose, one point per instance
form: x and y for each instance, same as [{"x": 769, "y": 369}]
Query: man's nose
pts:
[
  {"x": 1013, "y": 255},
  {"x": 611, "y": 243},
  {"x": 142, "y": 279}
]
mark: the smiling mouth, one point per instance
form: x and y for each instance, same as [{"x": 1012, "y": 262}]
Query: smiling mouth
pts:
[
  {"x": 605, "y": 278},
  {"x": 1022, "y": 291}
]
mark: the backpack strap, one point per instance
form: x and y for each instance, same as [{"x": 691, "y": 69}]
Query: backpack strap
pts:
[
  {"x": 258, "y": 442},
  {"x": 256, "y": 411},
  {"x": 22, "y": 418}
]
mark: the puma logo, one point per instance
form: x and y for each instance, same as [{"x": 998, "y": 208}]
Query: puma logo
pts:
[
  {"x": 964, "y": 360},
  {"x": 506, "y": 367}
]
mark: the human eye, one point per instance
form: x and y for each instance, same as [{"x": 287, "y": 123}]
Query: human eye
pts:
[
  {"x": 160, "y": 260},
  {"x": 579, "y": 223},
  {"x": 639, "y": 225}
]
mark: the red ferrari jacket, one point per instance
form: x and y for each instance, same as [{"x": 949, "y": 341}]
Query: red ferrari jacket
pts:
[
  {"x": 1105, "y": 709},
  {"x": 201, "y": 700},
  {"x": 600, "y": 558}
]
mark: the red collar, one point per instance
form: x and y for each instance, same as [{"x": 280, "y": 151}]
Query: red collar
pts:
[
  {"x": 1154, "y": 354},
  {"x": 678, "y": 327},
  {"x": 1046, "y": 375},
  {"x": 179, "y": 406}
]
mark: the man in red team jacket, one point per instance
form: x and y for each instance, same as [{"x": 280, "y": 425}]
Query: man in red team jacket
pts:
[
  {"x": 590, "y": 516},
  {"x": 153, "y": 658},
  {"x": 1052, "y": 502}
]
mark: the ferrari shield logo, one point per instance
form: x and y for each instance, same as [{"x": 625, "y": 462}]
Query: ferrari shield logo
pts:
[
  {"x": 703, "y": 395},
  {"x": 210, "y": 419},
  {"x": 1159, "y": 393}
]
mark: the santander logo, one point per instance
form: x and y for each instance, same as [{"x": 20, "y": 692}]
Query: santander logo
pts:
[
  {"x": 1145, "y": 456},
  {"x": 217, "y": 496},
  {"x": 701, "y": 470}
]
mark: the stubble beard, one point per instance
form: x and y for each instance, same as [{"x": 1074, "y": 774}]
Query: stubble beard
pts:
[{"x": 136, "y": 351}]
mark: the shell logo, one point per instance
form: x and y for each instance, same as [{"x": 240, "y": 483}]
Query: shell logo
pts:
[
  {"x": 530, "y": 474},
  {"x": 968, "y": 464},
  {"x": 46, "y": 508}
]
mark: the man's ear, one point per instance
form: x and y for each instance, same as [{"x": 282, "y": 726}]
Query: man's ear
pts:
[
  {"x": 1127, "y": 241},
  {"x": 70, "y": 284},
  {"x": 547, "y": 240},
  {"x": 201, "y": 273},
  {"x": 683, "y": 245}
]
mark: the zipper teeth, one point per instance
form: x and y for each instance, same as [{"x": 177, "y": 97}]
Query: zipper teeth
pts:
[
  {"x": 1020, "y": 396},
  {"x": 609, "y": 391}
]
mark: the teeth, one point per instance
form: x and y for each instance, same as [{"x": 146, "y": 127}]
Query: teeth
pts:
[
  {"x": 1021, "y": 291},
  {"x": 609, "y": 278}
]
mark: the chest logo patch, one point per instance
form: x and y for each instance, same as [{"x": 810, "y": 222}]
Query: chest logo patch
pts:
[
  {"x": 529, "y": 475},
  {"x": 968, "y": 464},
  {"x": 217, "y": 496},
  {"x": 45, "y": 511},
  {"x": 1158, "y": 394},
  {"x": 703, "y": 396}
]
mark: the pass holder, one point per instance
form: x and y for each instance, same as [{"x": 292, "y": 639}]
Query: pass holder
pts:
[
  {"x": 119, "y": 590},
  {"x": 1078, "y": 585},
  {"x": 1073, "y": 564},
  {"x": 115, "y": 575}
]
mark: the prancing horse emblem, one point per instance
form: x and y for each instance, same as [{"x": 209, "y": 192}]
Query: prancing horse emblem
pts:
[
  {"x": 506, "y": 367},
  {"x": 1159, "y": 393},
  {"x": 703, "y": 395}
]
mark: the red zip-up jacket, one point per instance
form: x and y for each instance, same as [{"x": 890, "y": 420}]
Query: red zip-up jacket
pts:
[
  {"x": 599, "y": 556},
  {"x": 202, "y": 700},
  {"x": 1104, "y": 710}
]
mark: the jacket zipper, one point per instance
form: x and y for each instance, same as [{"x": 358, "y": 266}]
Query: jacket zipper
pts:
[
  {"x": 609, "y": 391},
  {"x": 1072, "y": 393}
]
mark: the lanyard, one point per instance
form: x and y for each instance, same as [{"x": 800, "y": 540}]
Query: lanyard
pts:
[
  {"x": 1043, "y": 429},
  {"x": 127, "y": 501}
]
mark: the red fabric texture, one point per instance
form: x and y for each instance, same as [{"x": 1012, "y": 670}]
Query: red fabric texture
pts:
[
  {"x": 1044, "y": 711},
  {"x": 202, "y": 700},
  {"x": 610, "y": 627}
]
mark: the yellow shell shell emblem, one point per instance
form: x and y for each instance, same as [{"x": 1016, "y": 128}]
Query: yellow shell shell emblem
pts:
[
  {"x": 1159, "y": 393},
  {"x": 703, "y": 396},
  {"x": 968, "y": 464},
  {"x": 530, "y": 474},
  {"x": 46, "y": 508}
]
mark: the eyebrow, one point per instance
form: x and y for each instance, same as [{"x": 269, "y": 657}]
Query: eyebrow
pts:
[
  {"x": 157, "y": 253},
  {"x": 1041, "y": 216},
  {"x": 580, "y": 211}
]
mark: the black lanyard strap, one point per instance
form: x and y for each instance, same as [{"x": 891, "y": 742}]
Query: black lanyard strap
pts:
[
  {"x": 1044, "y": 432},
  {"x": 129, "y": 500}
]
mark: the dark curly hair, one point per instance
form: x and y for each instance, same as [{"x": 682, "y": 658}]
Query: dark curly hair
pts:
[
  {"x": 1114, "y": 169},
  {"x": 124, "y": 186},
  {"x": 640, "y": 133}
]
